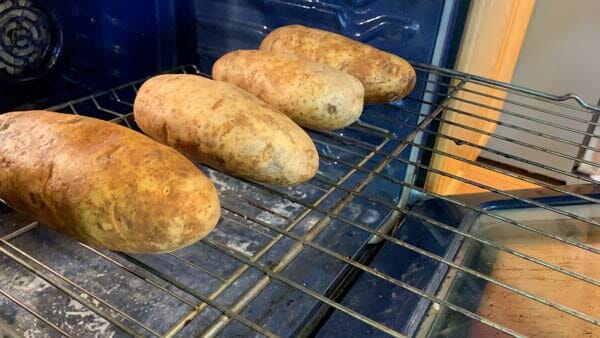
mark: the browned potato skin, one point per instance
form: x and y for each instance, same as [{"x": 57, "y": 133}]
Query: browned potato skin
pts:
[
  {"x": 312, "y": 94},
  {"x": 386, "y": 77},
  {"x": 103, "y": 184},
  {"x": 221, "y": 125}
]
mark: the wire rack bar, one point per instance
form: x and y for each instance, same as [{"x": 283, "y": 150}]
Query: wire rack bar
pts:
[
  {"x": 521, "y": 116},
  {"x": 475, "y": 163},
  {"x": 485, "y": 148},
  {"x": 531, "y": 93},
  {"x": 288, "y": 258},
  {"x": 419, "y": 129},
  {"x": 508, "y": 139},
  {"x": 482, "y": 211},
  {"x": 480, "y": 164},
  {"x": 440, "y": 225},
  {"x": 458, "y": 178},
  {"x": 297, "y": 248},
  {"x": 273, "y": 275},
  {"x": 557, "y": 306},
  {"x": 20, "y": 231},
  {"x": 196, "y": 266},
  {"x": 426, "y": 253},
  {"x": 515, "y": 127},
  {"x": 205, "y": 300},
  {"x": 521, "y": 104},
  {"x": 258, "y": 286},
  {"x": 479, "y": 210},
  {"x": 586, "y": 140},
  {"x": 447, "y": 227},
  {"x": 382, "y": 149},
  {"x": 408, "y": 141},
  {"x": 34, "y": 313},
  {"x": 265, "y": 209},
  {"x": 233, "y": 253},
  {"x": 68, "y": 292}
]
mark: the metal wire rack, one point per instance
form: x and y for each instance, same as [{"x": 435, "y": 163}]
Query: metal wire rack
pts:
[{"x": 294, "y": 261}]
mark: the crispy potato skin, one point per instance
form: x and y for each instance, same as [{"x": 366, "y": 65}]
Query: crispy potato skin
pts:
[
  {"x": 385, "y": 76},
  {"x": 221, "y": 125},
  {"x": 103, "y": 184},
  {"x": 312, "y": 94}
]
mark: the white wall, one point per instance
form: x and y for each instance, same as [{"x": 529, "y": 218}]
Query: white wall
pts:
[{"x": 560, "y": 54}]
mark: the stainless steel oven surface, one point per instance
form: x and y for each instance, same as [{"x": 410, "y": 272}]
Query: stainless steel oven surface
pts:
[{"x": 361, "y": 250}]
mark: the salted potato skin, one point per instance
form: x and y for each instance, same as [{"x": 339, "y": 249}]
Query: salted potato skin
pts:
[
  {"x": 312, "y": 94},
  {"x": 221, "y": 125},
  {"x": 103, "y": 184},
  {"x": 385, "y": 76}
]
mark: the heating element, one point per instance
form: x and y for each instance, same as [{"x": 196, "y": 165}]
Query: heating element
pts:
[{"x": 304, "y": 260}]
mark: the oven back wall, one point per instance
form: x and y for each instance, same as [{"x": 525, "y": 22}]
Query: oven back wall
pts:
[
  {"x": 82, "y": 47},
  {"x": 94, "y": 45}
]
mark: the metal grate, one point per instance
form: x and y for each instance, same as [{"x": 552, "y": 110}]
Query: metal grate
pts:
[{"x": 298, "y": 261}]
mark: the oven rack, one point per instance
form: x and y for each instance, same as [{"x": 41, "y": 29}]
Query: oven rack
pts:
[{"x": 365, "y": 152}]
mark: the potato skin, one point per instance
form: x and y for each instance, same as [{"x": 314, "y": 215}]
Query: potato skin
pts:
[
  {"x": 221, "y": 125},
  {"x": 103, "y": 184},
  {"x": 312, "y": 94},
  {"x": 385, "y": 76}
]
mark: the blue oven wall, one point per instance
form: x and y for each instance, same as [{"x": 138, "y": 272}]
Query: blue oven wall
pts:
[
  {"x": 100, "y": 44},
  {"x": 106, "y": 43},
  {"x": 406, "y": 28}
]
